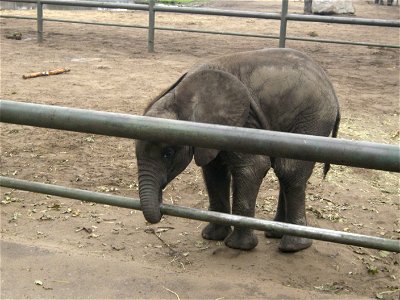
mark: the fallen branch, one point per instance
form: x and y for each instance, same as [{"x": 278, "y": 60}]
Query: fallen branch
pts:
[{"x": 46, "y": 73}]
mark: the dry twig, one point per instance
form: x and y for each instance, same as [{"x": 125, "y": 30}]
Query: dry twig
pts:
[
  {"x": 177, "y": 296},
  {"x": 151, "y": 230},
  {"x": 46, "y": 73}
]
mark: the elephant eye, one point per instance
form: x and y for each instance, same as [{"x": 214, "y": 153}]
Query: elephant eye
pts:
[{"x": 168, "y": 153}]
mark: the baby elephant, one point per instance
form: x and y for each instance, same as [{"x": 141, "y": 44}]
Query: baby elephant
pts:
[{"x": 271, "y": 89}]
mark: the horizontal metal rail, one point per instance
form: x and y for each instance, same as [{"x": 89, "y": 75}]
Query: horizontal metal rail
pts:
[
  {"x": 146, "y": 27},
  {"x": 208, "y": 216},
  {"x": 218, "y": 12},
  {"x": 221, "y": 12},
  {"x": 79, "y": 22},
  {"x": 272, "y": 143},
  {"x": 262, "y": 36},
  {"x": 96, "y": 4},
  {"x": 275, "y": 37},
  {"x": 343, "y": 20},
  {"x": 277, "y": 16},
  {"x": 341, "y": 42}
]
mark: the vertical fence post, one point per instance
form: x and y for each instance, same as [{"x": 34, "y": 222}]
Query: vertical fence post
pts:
[
  {"x": 39, "y": 8},
  {"x": 150, "y": 41},
  {"x": 282, "y": 33}
]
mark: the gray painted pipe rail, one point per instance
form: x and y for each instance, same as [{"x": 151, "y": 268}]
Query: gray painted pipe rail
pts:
[
  {"x": 222, "y": 12},
  {"x": 343, "y": 20},
  {"x": 208, "y": 216},
  {"x": 272, "y": 143},
  {"x": 86, "y": 4}
]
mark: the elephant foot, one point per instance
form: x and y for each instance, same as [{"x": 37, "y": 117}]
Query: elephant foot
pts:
[
  {"x": 243, "y": 239},
  {"x": 293, "y": 243},
  {"x": 216, "y": 232},
  {"x": 273, "y": 234}
]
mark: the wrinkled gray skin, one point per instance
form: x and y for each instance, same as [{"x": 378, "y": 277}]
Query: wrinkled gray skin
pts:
[{"x": 274, "y": 89}]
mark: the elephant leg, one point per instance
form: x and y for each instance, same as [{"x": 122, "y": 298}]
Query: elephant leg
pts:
[
  {"x": 280, "y": 215},
  {"x": 247, "y": 179},
  {"x": 217, "y": 179},
  {"x": 293, "y": 176}
]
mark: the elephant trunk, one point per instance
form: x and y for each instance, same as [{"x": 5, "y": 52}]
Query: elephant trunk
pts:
[{"x": 150, "y": 194}]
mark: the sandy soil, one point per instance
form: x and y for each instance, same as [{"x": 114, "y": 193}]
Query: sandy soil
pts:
[{"x": 80, "y": 250}]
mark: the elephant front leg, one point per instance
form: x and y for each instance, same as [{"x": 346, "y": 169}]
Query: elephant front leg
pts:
[
  {"x": 217, "y": 180},
  {"x": 245, "y": 187}
]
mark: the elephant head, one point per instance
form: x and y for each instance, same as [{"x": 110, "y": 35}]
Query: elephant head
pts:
[{"x": 203, "y": 95}]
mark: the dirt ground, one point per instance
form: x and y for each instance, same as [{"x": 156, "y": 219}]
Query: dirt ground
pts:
[{"x": 61, "y": 248}]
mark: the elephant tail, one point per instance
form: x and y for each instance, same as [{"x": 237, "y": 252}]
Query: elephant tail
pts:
[{"x": 335, "y": 130}]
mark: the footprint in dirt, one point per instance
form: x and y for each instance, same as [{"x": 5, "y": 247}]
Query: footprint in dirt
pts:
[{"x": 226, "y": 252}]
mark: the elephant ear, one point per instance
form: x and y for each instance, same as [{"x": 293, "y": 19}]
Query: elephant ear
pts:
[
  {"x": 215, "y": 97},
  {"x": 162, "y": 94}
]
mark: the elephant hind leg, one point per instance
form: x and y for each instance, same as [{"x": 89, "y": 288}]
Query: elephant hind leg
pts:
[
  {"x": 293, "y": 176},
  {"x": 295, "y": 214},
  {"x": 280, "y": 215},
  {"x": 247, "y": 178}
]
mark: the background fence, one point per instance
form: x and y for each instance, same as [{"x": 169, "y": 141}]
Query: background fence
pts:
[{"x": 152, "y": 8}]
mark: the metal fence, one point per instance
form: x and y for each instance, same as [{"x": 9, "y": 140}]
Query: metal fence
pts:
[
  {"x": 152, "y": 8},
  {"x": 321, "y": 149},
  {"x": 361, "y": 154}
]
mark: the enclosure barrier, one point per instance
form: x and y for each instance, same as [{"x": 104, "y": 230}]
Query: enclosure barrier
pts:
[
  {"x": 176, "y": 132},
  {"x": 373, "y": 155},
  {"x": 284, "y": 17},
  {"x": 208, "y": 216}
]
